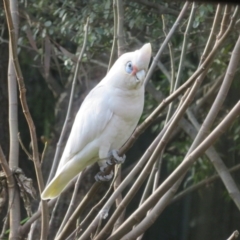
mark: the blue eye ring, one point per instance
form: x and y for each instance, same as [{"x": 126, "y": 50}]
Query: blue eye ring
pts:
[{"x": 129, "y": 67}]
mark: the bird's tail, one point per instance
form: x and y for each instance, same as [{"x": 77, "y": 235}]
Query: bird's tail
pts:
[
  {"x": 55, "y": 187},
  {"x": 61, "y": 180}
]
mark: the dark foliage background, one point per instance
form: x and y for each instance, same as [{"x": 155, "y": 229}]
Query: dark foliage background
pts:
[{"x": 50, "y": 35}]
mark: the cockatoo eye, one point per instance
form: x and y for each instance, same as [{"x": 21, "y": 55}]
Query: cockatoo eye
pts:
[{"x": 129, "y": 67}]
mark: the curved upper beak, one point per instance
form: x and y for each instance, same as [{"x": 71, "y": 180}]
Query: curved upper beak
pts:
[
  {"x": 142, "y": 61},
  {"x": 143, "y": 57}
]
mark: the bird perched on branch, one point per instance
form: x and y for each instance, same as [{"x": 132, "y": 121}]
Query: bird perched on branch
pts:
[{"x": 105, "y": 120}]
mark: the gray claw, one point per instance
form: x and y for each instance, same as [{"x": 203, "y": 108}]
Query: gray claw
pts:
[
  {"x": 103, "y": 178},
  {"x": 109, "y": 162},
  {"x": 102, "y": 168},
  {"x": 117, "y": 158}
]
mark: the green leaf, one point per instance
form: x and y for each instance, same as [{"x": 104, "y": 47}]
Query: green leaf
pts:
[{"x": 47, "y": 23}]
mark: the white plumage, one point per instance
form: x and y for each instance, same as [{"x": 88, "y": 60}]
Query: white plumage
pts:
[{"x": 105, "y": 120}]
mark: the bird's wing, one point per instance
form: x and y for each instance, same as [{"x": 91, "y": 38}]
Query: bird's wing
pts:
[{"x": 91, "y": 120}]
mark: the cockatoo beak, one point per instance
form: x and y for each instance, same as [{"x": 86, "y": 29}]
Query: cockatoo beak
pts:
[{"x": 142, "y": 61}]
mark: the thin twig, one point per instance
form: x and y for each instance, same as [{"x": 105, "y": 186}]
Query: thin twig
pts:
[
  {"x": 212, "y": 34},
  {"x": 23, "y": 147},
  {"x": 234, "y": 235},
  {"x": 119, "y": 198},
  {"x": 184, "y": 46},
  {"x": 114, "y": 44},
  {"x": 5, "y": 225},
  {"x": 172, "y": 80},
  {"x": 44, "y": 151},
  {"x": 72, "y": 203},
  {"x": 120, "y": 31},
  {"x": 10, "y": 180},
  {"x": 53, "y": 214}
]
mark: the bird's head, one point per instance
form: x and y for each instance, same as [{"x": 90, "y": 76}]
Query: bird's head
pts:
[{"x": 129, "y": 71}]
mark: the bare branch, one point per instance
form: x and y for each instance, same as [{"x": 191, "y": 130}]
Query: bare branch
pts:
[
  {"x": 5, "y": 226},
  {"x": 23, "y": 148},
  {"x": 114, "y": 44},
  {"x": 119, "y": 198},
  {"x": 120, "y": 31},
  {"x": 234, "y": 235}
]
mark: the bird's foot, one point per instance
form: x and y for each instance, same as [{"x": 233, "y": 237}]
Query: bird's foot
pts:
[
  {"x": 101, "y": 177},
  {"x": 117, "y": 159}
]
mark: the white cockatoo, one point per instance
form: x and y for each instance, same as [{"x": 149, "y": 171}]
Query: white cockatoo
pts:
[{"x": 105, "y": 120}]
